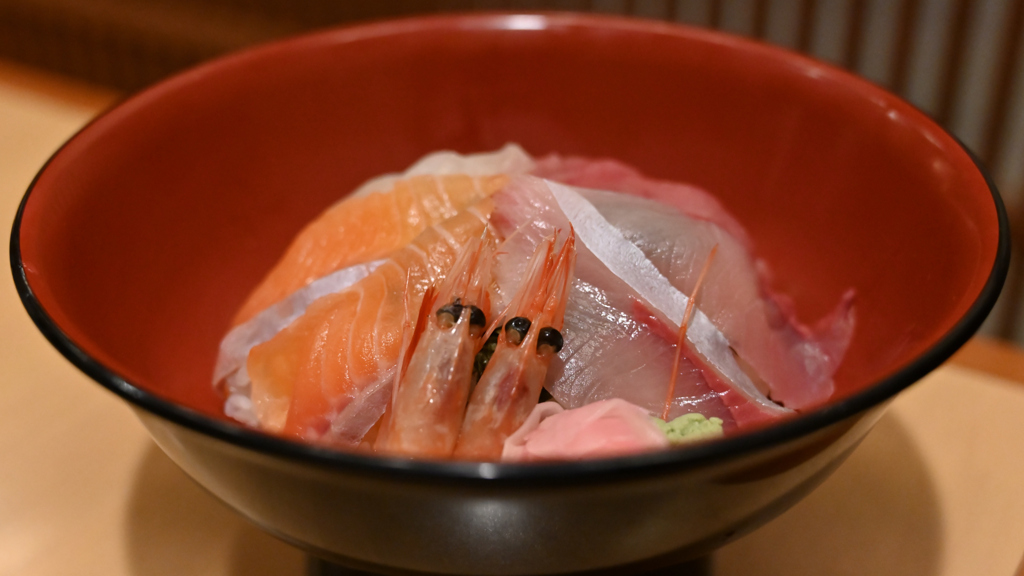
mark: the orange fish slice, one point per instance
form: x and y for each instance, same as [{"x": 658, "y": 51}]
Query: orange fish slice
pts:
[
  {"x": 366, "y": 228},
  {"x": 347, "y": 342}
]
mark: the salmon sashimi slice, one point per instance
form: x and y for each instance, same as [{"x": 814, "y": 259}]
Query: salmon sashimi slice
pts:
[
  {"x": 366, "y": 228},
  {"x": 333, "y": 366}
]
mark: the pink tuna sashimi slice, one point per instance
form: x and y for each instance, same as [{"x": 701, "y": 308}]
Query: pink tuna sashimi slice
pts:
[{"x": 610, "y": 350}]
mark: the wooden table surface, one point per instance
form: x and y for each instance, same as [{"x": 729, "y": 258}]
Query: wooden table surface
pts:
[{"x": 934, "y": 490}]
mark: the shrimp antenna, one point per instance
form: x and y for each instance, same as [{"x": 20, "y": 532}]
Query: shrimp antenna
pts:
[
  {"x": 561, "y": 274},
  {"x": 535, "y": 273},
  {"x": 681, "y": 340}
]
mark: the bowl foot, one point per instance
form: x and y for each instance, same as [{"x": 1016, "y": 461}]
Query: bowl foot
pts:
[{"x": 697, "y": 567}]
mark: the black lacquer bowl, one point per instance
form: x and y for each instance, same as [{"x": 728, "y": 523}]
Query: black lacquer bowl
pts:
[{"x": 141, "y": 236}]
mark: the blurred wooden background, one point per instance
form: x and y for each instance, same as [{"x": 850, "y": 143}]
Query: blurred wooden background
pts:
[{"x": 962, "y": 61}]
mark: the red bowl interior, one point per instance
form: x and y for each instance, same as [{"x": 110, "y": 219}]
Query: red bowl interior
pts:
[{"x": 143, "y": 234}]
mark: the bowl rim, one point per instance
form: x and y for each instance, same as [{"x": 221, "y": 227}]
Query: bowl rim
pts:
[{"x": 522, "y": 474}]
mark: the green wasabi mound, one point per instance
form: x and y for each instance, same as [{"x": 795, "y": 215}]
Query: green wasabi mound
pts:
[{"x": 690, "y": 428}]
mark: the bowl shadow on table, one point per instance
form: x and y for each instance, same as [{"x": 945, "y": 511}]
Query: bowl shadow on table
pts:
[
  {"x": 174, "y": 527},
  {"x": 880, "y": 507},
  {"x": 879, "y": 514}
]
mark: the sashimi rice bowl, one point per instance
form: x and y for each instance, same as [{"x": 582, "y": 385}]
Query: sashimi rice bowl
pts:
[
  {"x": 426, "y": 314},
  {"x": 510, "y": 294}
]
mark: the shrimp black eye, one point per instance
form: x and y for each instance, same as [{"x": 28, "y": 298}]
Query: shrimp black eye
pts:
[
  {"x": 485, "y": 353},
  {"x": 476, "y": 317},
  {"x": 516, "y": 329},
  {"x": 477, "y": 321},
  {"x": 549, "y": 341},
  {"x": 449, "y": 314}
]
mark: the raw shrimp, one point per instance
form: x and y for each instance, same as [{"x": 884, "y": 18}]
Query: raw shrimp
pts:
[
  {"x": 510, "y": 385},
  {"x": 430, "y": 398}
]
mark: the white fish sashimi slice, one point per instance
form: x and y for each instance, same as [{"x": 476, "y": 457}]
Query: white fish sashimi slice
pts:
[
  {"x": 608, "y": 174},
  {"x": 510, "y": 159},
  {"x": 608, "y": 351},
  {"x": 796, "y": 362},
  {"x": 631, "y": 265},
  {"x": 609, "y": 354}
]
